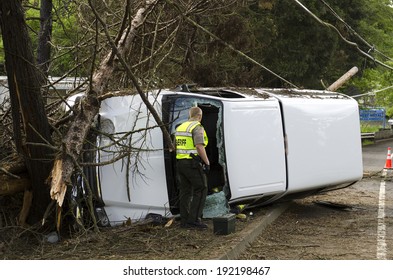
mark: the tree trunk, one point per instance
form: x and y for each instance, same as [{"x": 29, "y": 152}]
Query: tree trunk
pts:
[
  {"x": 30, "y": 124},
  {"x": 44, "y": 48}
]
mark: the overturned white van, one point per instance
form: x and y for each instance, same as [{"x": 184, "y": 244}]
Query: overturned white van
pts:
[{"x": 264, "y": 145}]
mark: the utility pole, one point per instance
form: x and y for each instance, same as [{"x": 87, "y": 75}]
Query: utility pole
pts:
[{"x": 343, "y": 79}]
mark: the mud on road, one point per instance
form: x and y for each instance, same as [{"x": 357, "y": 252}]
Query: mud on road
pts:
[{"x": 339, "y": 225}]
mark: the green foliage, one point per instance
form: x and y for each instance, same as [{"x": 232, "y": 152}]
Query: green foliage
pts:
[
  {"x": 303, "y": 46},
  {"x": 279, "y": 34},
  {"x": 369, "y": 128},
  {"x": 377, "y": 28},
  {"x": 286, "y": 39},
  {"x": 65, "y": 36}
]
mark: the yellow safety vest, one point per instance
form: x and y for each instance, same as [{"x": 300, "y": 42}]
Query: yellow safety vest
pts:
[{"x": 184, "y": 141}]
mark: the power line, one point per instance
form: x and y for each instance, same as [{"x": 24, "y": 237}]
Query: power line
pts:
[
  {"x": 188, "y": 19},
  {"x": 372, "y": 47},
  {"x": 373, "y": 92},
  {"x": 342, "y": 37}
]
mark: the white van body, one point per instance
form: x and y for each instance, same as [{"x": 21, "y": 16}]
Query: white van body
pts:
[
  {"x": 264, "y": 145},
  {"x": 146, "y": 191},
  {"x": 323, "y": 138}
]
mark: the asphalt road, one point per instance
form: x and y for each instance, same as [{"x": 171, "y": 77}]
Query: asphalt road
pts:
[
  {"x": 354, "y": 223},
  {"x": 374, "y": 160},
  {"x": 374, "y": 156}
]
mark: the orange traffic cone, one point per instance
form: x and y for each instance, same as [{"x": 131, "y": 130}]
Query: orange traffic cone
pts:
[{"x": 388, "y": 164}]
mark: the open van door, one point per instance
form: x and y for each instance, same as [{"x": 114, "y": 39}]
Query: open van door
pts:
[{"x": 255, "y": 148}]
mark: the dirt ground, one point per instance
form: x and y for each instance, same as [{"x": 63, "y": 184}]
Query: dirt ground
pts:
[
  {"x": 341, "y": 225},
  {"x": 131, "y": 242},
  {"x": 336, "y": 225}
]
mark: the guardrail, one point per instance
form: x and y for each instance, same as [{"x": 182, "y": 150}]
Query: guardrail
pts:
[{"x": 368, "y": 136}]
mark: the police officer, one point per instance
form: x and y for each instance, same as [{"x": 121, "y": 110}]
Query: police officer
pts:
[{"x": 192, "y": 167}]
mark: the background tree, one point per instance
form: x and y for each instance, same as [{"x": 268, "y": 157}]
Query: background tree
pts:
[
  {"x": 30, "y": 124},
  {"x": 45, "y": 34}
]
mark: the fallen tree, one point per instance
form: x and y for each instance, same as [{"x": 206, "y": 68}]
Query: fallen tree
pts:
[
  {"x": 10, "y": 185},
  {"x": 15, "y": 179},
  {"x": 72, "y": 144}
]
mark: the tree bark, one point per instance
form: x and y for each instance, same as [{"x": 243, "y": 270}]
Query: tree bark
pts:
[
  {"x": 11, "y": 186},
  {"x": 44, "y": 48},
  {"x": 30, "y": 123}
]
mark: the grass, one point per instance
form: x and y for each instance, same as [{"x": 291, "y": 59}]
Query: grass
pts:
[
  {"x": 367, "y": 142},
  {"x": 367, "y": 128}
]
